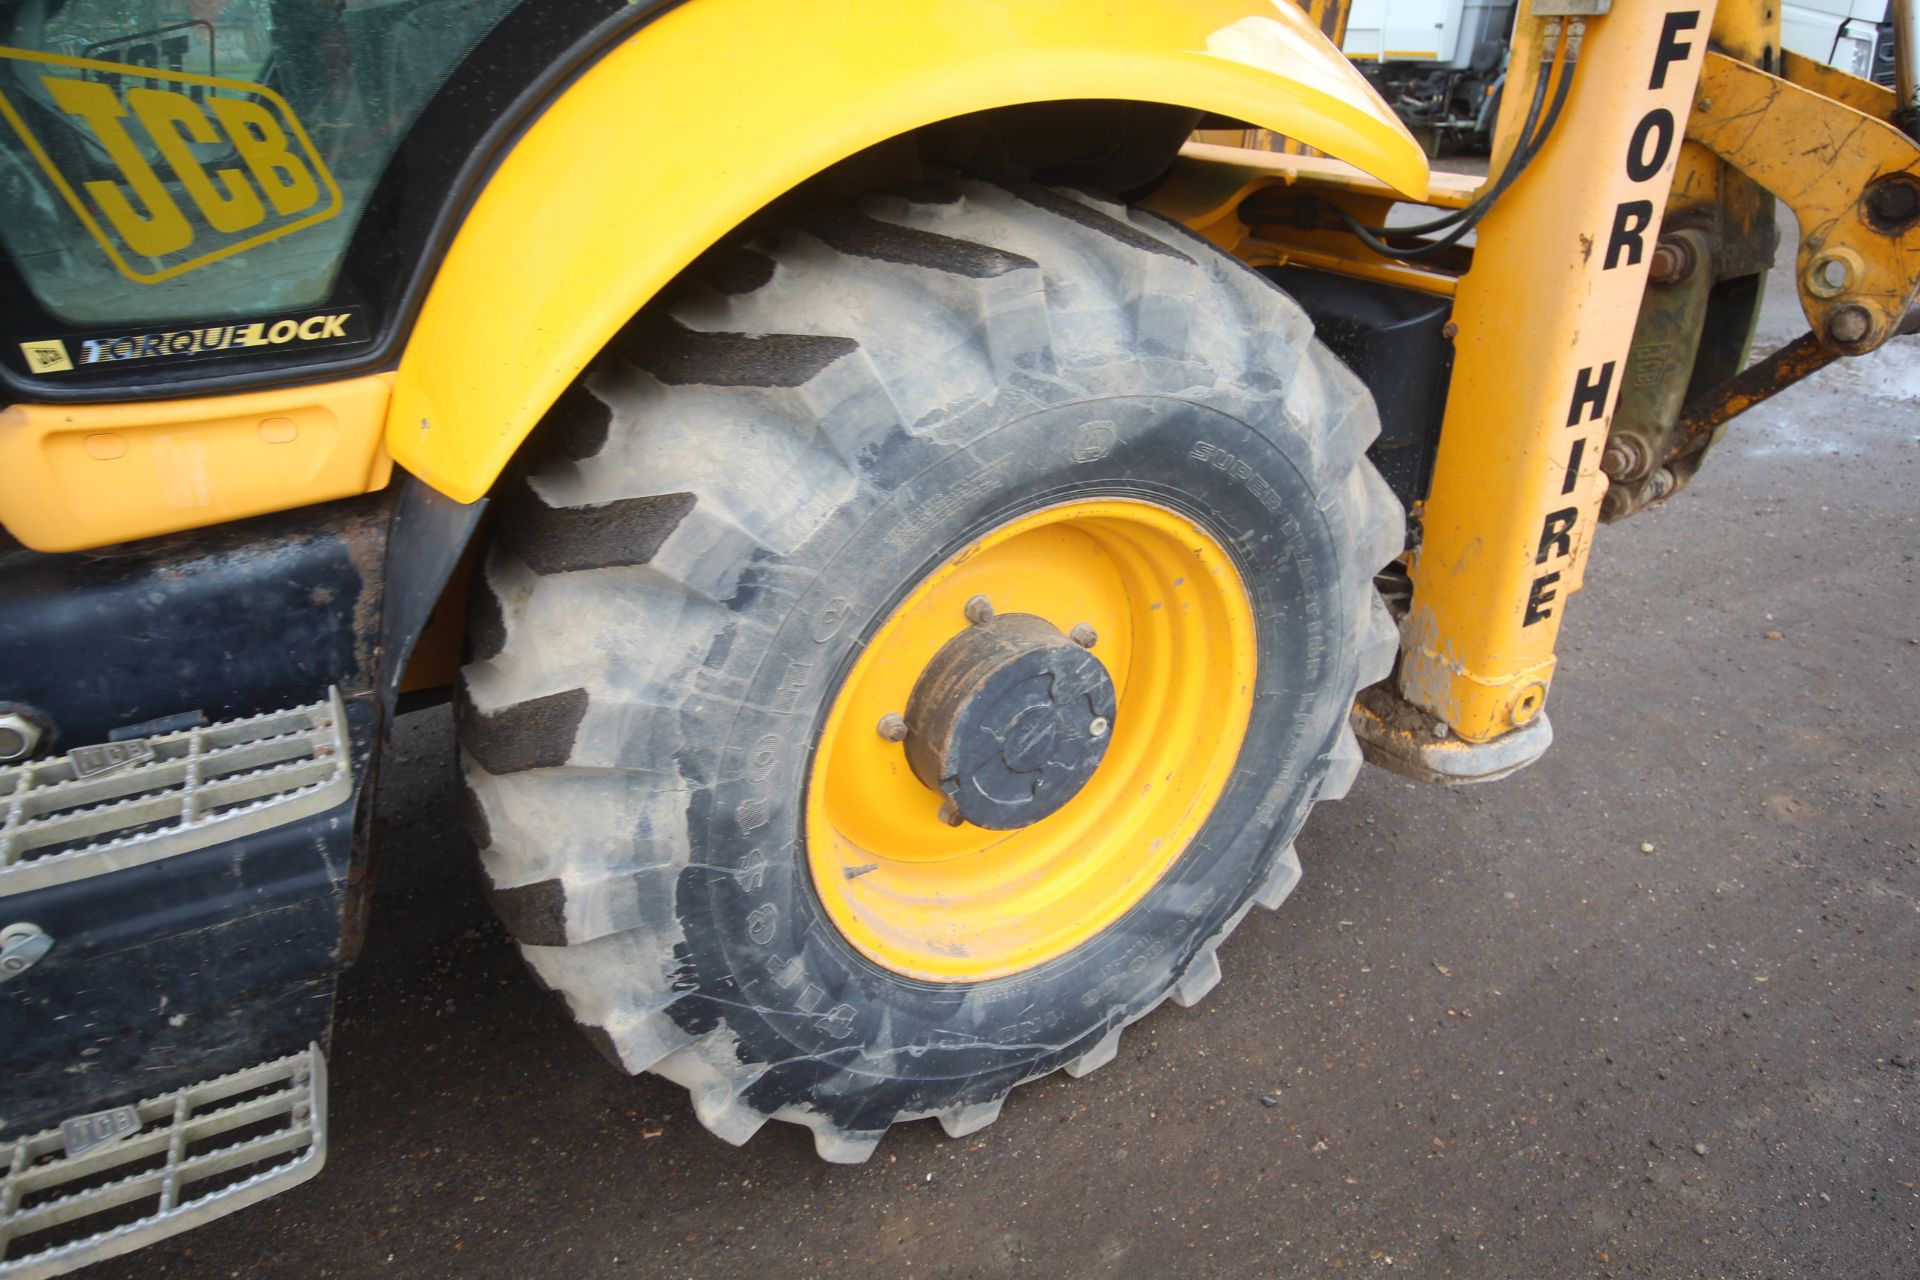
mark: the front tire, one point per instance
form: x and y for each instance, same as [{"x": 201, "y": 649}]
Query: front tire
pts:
[{"x": 739, "y": 506}]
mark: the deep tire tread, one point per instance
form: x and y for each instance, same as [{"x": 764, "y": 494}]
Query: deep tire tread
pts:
[{"x": 737, "y": 420}]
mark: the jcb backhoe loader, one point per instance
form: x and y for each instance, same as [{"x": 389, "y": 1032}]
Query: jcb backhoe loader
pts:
[{"x": 909, "y": 535}]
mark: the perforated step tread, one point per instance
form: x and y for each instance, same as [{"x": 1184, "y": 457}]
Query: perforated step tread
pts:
[
  {"x": 105, "y": 1184},
  {"x": 66, "y": 818}
]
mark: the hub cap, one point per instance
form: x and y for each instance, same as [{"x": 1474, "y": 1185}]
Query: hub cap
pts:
[{"x": 1009, "y": 721}]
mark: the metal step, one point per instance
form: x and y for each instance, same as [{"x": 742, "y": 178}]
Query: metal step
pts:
[
  {"x": 99, "y": 809},
  {"x": 108, "y": 1183}
]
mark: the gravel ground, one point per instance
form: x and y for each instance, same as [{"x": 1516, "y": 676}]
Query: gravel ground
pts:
[{"x": 1648, "y": 1008}]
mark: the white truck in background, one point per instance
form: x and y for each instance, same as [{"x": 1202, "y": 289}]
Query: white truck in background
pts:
[
  {"x": 1854, "y": 35},
  {"x": 1440, "y": 63}
]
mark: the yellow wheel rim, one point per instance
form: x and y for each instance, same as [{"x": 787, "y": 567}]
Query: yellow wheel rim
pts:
[{"x": 963, "y": 904}]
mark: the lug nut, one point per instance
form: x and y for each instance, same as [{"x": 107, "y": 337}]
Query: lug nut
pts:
[
  {"x": 892, "y": 727},
  {"x": 1849, "y": 325},
  {"x": 1098, "y": 728},
  {"x": 1661, "y": 484},
  {"x": 979, "y": 610},
  {"x": 1441, "y": 729},
  {"x": 950, "y": 813},
  {"x": 1083, "y": 635}
]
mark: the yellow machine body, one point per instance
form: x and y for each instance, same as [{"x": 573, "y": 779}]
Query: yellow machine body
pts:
[
  {"x": 1534, "y": 386},
  {"x": 557, "y": 254},
  {"x": 638, "y": 166},
  {"x": 641, "y": 164}
]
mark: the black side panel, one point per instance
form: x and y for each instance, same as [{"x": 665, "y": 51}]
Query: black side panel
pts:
[
  {"x": 231, "y": 621},
  {"x": 1391, "y": 338},
  {"x": 430, "y": 533},
  {"x": 167, "y": 974}
]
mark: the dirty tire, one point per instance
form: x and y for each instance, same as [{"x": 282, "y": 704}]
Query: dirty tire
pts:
[{"x": 736, "y": 495}]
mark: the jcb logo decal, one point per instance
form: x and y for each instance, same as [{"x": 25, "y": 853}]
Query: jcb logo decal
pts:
[{"x": 206, "y": 167}]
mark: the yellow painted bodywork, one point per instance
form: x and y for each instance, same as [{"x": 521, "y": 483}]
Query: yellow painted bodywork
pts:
[
  {"x": 963, "y": 904},
  {"x": 705, "y": 115},
  {"x": 1517, "y": 484},
  {"x": 1818, "y": 155},
  {"x": 1863, "y": 96},
  {"x": 79, "y": 476},
  {"x": 1212, "y": 189}
]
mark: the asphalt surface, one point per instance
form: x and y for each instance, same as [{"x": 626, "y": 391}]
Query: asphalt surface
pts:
[{"x": 1647, "y": 1009}]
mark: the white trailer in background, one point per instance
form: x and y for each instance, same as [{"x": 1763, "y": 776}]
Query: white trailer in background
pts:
[
  {"x": 1440, "y": 63},
  {"x": 1854, "y": 35}
]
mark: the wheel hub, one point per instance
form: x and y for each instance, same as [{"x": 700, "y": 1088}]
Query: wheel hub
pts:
[
  {"x": 1009, "y": 720},
  {"x": 955, "y": 863}
]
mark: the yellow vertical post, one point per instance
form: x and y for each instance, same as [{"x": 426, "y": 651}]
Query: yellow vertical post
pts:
[{"x": 1545, "y": 316}]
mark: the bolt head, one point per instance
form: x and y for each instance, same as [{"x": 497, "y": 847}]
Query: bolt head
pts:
[
  {"x": 1083, "y": 635},
  {"x": 18, "y": 737},
  {"x": 1625, "y": 457},
  {"x": 950, "y": 814},
  {"x": 1849, "y": 325},
  {"x": 1672, "y": 262},
  {"x": 1441, "y": 729},
  {"x": 979, "y": 610},
  {"x": 892, "y": 727},
  {"x": 1892, "y": 204}
]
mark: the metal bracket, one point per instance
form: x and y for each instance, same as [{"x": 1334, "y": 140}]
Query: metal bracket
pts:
[
  {"x": 1852, "y": 181},
  {"x": 1401, "y": 738}
]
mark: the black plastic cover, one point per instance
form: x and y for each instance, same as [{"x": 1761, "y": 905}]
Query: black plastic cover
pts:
[{"x": 1391, "y": 337}]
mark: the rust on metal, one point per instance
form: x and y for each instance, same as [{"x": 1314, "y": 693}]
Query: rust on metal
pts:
[{"x": 1705, "y": 413}]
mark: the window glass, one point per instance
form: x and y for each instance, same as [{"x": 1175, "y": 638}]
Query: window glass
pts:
[{"x": 171, "y": 160}]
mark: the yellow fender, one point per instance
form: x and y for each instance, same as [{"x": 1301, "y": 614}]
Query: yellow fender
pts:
[{"x": 720, "y": 106}]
